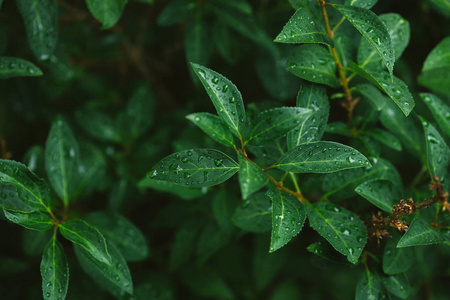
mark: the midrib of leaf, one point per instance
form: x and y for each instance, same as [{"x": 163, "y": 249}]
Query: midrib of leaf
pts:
[
  {"x": 54, "y": 265},
  {"x": 282, "y": 215},
  {"x": 268, "y": 128},
  {"x": 414, "y": 238},
  {"x": 315, "y": 70},
  {"x": 91, "y": 247},
  {"x": 299, "y": 136},
  {"x": 219, "y": 133},
  {"x": 63, "y": 167},
  {"x": 255, "y": 215},
  {"x": 369, "y": 282},
  {"x": 226, "y": 111},
  {"x": 397, "y": 256},
  {"x": 111, "y": 235}
]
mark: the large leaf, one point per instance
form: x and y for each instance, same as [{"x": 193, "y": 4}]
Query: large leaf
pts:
[
  {"x": 301, "y": 28},
  {"x": 107, "y": 12},
  {"x": 114, "y": 278},
  {"x": 372, "y": 94},
  {"x": 342, "y": 228},
  {"x": 314, "y": 97},
  {"x": 127, "y": 237},
  {"x": 384, "y": 137},
  {"x": 397, "y": 260},
  {"x": 195, "y": 168},
  {"x": 313, "y": 63},
  {"x": 321, "y": 157},
  {"x": 420, "y": 233},
  {"x": 54, "y": 271},
  {"x": 367, "y": 4},
  {"x": 381, "y": 193},
  {"x": 62, "y": 156},
  {"x": 225, "y": 96},
  {"x": 442, "y": 6},
  {"x": 81, "y": 233},
  {"x": 33, "y": 220},
  {"x": 251, "y": 178},
  {"x": 275, "y": 123},
  {"x": 397, "y": 285},
  {"x": 33, "y": 191},
  {"x": 40, "y": 18},
  {"x": 396, "y": 89},
  {"x": 369, "y": 287},
  {"x": 10, "y": 200},
  {"x": 373, "y": 30},
  {"x": 254, "y": 214},
  {"x": 213, "y": 126},
  {"x": 288, "y": 217},
  {"x": 15, "y": 67},
  {"x": 440, "y": 111}
]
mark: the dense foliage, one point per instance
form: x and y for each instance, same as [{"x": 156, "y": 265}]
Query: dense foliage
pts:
[{"x": 225, "y": 149}]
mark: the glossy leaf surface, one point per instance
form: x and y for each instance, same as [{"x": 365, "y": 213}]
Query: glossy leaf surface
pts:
[
  {"x": 288, "y": 217},
  {"x": 436, "y": 68},
  {"x": 98, "y": 125},
  {"x": 251, "y": 178},
  {"x": 225, "y": 96},
  {"x": 301, "y": 28},
  {"x": 172, "y": 188},
  {"x": 369, "y": 287},
  {"x": 372, "y": 94},
  {"x": 381, "y": 193},
  {"x": 367, "y": 4},
  {"x": 398, "y": 285},
  {"x": 10, "y": 200},
  {"x": 54, "y": 271},
  {"x": 16, "y": 67},
  {"x": 81, "y": 233},
  {"x": 212, "y": 125},
  {"x": 195, "y": 168},
  {"x": 107, "y": 12},
  {"x": 321, "y": 157},
  {"x": 254, "y": 214},
  {"x": 32, "y": 220},
  {"x": 396, "y": 260},
  {"x": 342, "y": 228},
  {"x": 385, "y": 138},
  {"x": 420, "y": 233},
  {"x": 440, "y": 111}
]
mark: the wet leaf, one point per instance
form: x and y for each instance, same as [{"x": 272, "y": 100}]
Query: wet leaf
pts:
[
  {"x": 440, "y": 111},
  {"x": 326, "y": 251},
  {"x": 33, "y": 220},
  {"x": 10, "y": 200},
  {"x": 342, "y": 228},
  {"x": 54, "y": 271},
  {"x": 420, "y": 233},
  {"x": 183, "y": 192},
  {"x": 107, "y": 12},
  {"x": 385, "y": 138},
  {"x": 251, "y": 178},
  {"x": 254, "y": 214},
  {"x": 301, "y": 28},
  {"x": 213, "y": 126},
  {"x": 344, "y": 48},
  {"x": 372, "y": 94},
  {"x": 321, "y": 157},
  {"x": 16, "y": 67},
  {"x": 396, "y": 260},
  {"x": 367, "y": 4},
  {"x": 398, "y": 285},
  {"x": 369, "y": 287},
  {"x": 338, "y": 128},
  {"x": 381, "y": 193},
  {"x": 195, "y": 168}
]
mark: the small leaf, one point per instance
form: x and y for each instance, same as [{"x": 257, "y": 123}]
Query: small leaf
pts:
[
  {"x": 41, "y": 24},
  {"x": 33, "y": 191},
  {"x": 420, "y": 233},
  {"x": 15, "y": 67},
  {"x": 342, "y": 228},
  {"x": 62, "y": 156},
  {"x": 225, "y": 96},
  {"x": 369, "y": 287},
  {"x": 397, "y": 285},
  {"x": 367, "y": 4},
  {"x": 107, "y": 12},
  {"x": 440, "y": 111},
  {"x": 114, "y": 278},
  {"x": 276, "y": 123},
  {"x": 81, "y": 233},
  {"x": 195, "y": 168},
  {"x": 301, "y": 28},
  {"x": 251, "y": 178},
  {"x": 288, "y": 217},
  {"x": 183, "y": 192},
  {"x": 311, "y": 96},
  {"x": 373, "y": 30},
  {"x": 321, "y": 157},
  {"x": 385, "y": 138},
  {"x": 125, "y": 235},
  {"x": 397, "y": 260},
  {"x": 212, "y": 125},
  {"x": 32, "y": 220},
  {"x": 254, "y": 214},
  {"x": 396, "y": 89},
  {"x": 98, "y": 125},
  {"x": 381, "y": 193},
  {"x": 313, "y": 63},
  {"x": 54, "y": 271}
]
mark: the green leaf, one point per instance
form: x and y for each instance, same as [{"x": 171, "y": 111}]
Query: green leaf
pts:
[
  {"x": 301, "y": 28},
  {"x": 254, "y": 214},
  {"x": 207, "y": 283},
  {"x": 373, "y": 30},
  {"x": 321, "y": 157},
  {"x": 440, "y": 111},
  {"x": 195, "y": 168},
  {"x": 438, "y": 57},
  {"x": 128, "y": 239},
  {"x": 420, "y": 233},
  {"x": 313, "y": 63},
  {"x": 398, "y": 29},
  {"x": 369, "y": 287},
  {"x": 338, "y": 128},
  {"x": 442, "y": 6},
  {"x": 381, "y": 193},
  {"x": 175, "y": 12},
  {"x": 183, "y": 192},
  {"x": 275, "y": 123},
  {"x": 344, "y": 47},
  {"x": 239, "y": 5},
  {"x": 15, "y": 67},
  {"x": 197, "y": 40},
  {"x": 398, "y": 285},
  {"x": 41, "y": 24},
  {"x": 213, "y": 126},
  {"x": 372, "y": 94},
  {"x": 92, "y": 169},
  {"x": 326, "y": 251},
  {"x": 385, "y": 138},
  {"x": 226, "y": 98},
  {"x": 251, "y": 178},
  {"x": 54, "y": 271},
  {"x": 367, "y": 4},
  {"x": 288, "y": 217},
  {"x": 183, "y": 244},
  {"x": 10, "y": 200},
  {"x": 33, "y": 191},
  {"x": 114, "y": 278},
  {"x": 210, "y": 240},
  {"x": 81, "y": 233},
  {"x": 107, "y": 12},
  {"x": 62, "y": 156},
  {"x": 32, "y": 220},
  {"x": 342, "y": 228},
  {"x": 311, "y": 129},
  {"x": 396, "y": 260},
  {"x": 98, "y": 125},
  {"x": 438, "y": 152},
  {"x": 223, "y": 208},
  {"x": 396, "y": 89}
]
